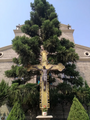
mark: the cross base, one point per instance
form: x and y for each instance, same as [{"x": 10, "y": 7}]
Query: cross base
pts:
[{"x": 48, "y": 117}]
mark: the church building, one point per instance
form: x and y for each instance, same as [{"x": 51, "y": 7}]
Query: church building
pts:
[{"x": 83, "y": 64}]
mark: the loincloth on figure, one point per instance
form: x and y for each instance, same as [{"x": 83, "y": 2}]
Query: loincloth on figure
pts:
[{"x": 44, "y": 77}]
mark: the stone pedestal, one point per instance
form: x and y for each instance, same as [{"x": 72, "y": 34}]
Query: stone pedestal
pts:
[{"x": 48, "y": 117}]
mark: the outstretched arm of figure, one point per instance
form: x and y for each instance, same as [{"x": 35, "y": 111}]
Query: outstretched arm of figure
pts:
[
  {"x": 50, "y": 68},
  {"x": 37, "y": 68}
]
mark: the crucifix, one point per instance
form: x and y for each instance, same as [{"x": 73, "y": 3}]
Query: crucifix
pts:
[{"x": 44, "y": 88}]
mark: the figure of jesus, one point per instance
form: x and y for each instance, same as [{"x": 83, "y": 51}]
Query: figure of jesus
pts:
[{"x": 44, "y": 76}]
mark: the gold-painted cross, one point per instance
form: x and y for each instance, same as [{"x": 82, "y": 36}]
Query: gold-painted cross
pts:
[{"x": 44, "y": 95}]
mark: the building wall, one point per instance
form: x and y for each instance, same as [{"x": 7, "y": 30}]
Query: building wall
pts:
[
  {"x": 68, "y": 35},
  {"x": 84, "y": 69},
  {"x": 3, "y": 67},
  {"x": 82, "y": 50},
  {"x": 8, "y": 54},
  {"x": 6, "y": 62},
  {"x": 82, "y": 65},
  {"x": 66, "y": 32}
]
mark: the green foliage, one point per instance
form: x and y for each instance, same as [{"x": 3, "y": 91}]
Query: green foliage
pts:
[
  {"x": 83, "y": 94},
  {"x": 53, "y": 98},
  {"x": 31, "y": 96},
  {"x": 16, "y": 112},
  {"x": 25, "y": 48},
  {"x": 71, "y": 75},
  {"x": 64, "y": 88},
  {"x": 43, "y": 29},
  {"x": 77, "y": 111},
  {"x": 4, "y": 89},
  {"x": 26, "y": 94},
  {"x": 27, "y": 55},
  {"x": 19, "y": 73}
]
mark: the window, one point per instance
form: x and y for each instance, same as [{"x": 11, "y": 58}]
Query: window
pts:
[
  {"x": 86, "y": 53},
  {"x": 1, "y": 54}
]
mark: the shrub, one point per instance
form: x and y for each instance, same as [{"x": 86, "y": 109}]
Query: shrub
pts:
[{"x": 77, "y": 111}]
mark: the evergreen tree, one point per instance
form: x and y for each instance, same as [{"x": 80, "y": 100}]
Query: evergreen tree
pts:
[
  {"x": 4, "y": 89},
  {"x": 77, "y": 111},
  {"x": 43, "y": 30},
  {"x": 16, "y": 113},
  {"x": 83, "y": 94},
  {"x": 26, "y": 94}
]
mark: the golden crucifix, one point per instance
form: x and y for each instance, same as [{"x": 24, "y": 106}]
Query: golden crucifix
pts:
[{"x": 44, "y": 95}]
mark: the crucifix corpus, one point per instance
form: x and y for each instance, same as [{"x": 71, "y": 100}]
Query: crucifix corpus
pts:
[{"x": 44, "y": 68}]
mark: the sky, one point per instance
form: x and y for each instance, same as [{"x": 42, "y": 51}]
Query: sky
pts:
[{"x": 73, "y": 12}]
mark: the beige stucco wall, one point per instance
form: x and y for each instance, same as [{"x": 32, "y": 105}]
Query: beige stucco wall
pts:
[
  {"x": 6, "y": 62},
  {"x": 83, "y": 65},
  {"x": 8, "y": 54},
  {"x": 67, "y": 35},
  {"x": 84, "y": 69},
  {"x": 19, "y": 33},
  {"x": 3, "y": 67},
  {"x": 66, "y": 32},
  {"x": 81, "y": 51}
]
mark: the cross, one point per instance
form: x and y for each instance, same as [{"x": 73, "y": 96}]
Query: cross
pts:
[{"x": 44, "y": 95}]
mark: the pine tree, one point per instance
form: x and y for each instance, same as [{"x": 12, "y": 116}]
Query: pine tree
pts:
[
  {"x": 4, "y": 89},
  {"x": 77, "y": 111},
  {"x": 43, "y": 30},
  {"x": 16, "y": 113},
  {"x": 26, "y": 94}
]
